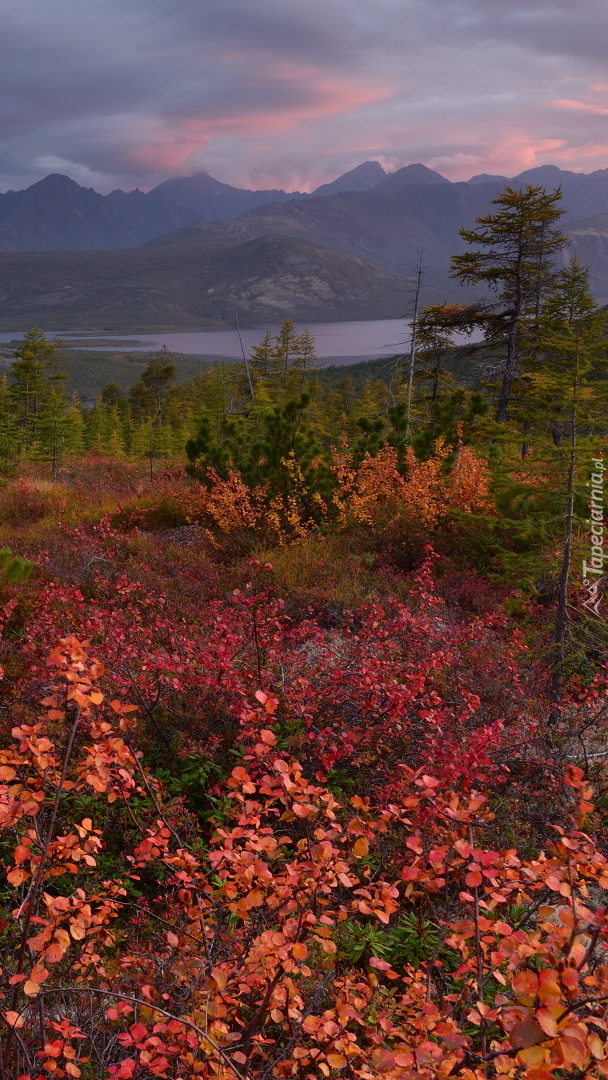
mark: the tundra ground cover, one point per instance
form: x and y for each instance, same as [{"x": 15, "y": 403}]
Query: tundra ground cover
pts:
[{"x": 253, "y": 828}]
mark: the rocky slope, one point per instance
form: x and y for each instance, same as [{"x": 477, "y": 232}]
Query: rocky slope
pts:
[{"x": 270, "y": 277}]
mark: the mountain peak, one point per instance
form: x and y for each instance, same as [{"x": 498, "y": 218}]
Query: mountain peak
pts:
[
  {"x": 364, "y": 177},
  {"x": 544, "y": 174},
  {"x": 57, "y": 214},
  {"x": 413, "y": 174},
  {"x": 196, "y": 184},
  {"x": 488, "y": 178},
  {"x": 58, "y": 182}
]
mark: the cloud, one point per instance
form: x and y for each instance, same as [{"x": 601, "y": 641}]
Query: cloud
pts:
[{"x": 290, "y": 95}]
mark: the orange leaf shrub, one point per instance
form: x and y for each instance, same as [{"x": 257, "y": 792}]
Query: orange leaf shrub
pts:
[{"x": 425, "y": 491}]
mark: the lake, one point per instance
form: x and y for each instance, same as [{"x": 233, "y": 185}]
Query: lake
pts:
[{"x": 336, "y": 342}]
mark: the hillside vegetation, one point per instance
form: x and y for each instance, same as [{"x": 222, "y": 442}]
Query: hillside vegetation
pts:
[{"x": 303, "y": 729}]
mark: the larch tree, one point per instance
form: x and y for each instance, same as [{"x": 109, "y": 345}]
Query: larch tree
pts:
[
  {"x": 280, "y": 364},
  {"x": 513, "y": 252}
]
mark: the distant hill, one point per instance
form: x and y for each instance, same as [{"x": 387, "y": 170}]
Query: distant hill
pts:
[
  {"x": 271, "y": 277},
  {"x": 56, "y": 214},
  {"x": 183, "y": 200}
]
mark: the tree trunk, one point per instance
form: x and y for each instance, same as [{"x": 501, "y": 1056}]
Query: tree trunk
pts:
[
  {"x": 507, "y": 382},
  {"x": 410, "y": 380},
  {"x": 507, "y": 379},
  {"x": 525, "y": 446},
  {"x": 561, "y": 622}
]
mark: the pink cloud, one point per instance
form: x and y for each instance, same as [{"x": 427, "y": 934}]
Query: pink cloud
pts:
[
  {"x": 508, "y": 154},
  {"x": 578, "y": 106},
  {"x": 170, "y": 147}
]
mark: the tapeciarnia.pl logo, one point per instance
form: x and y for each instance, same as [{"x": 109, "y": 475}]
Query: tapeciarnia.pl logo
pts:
[{"x": 594, "y": 569}]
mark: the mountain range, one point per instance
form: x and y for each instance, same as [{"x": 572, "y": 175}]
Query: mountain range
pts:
[
  {"x": 57, "y": 214},
  {"x": 178, "y": 255}
]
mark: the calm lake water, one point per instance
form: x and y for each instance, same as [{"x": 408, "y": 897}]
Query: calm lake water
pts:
[{"x": 335, "y": 341}]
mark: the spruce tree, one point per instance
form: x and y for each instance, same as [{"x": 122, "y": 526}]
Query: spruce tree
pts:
[
  {"x": 149, "y": 399},
  {"x": 261, "y": 358}
]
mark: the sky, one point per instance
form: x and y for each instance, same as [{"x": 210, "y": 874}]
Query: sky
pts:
[{"x": 291, "y": 93}]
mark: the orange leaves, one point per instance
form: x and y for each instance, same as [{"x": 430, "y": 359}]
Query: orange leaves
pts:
[
  {"x": 270, "y": 705},
  {"x": 424, "y": 488},
  {"x": 32, "y": 984},
  {"x": 468, "y": 487},
  {"x": 378, "y": 482},
  {"x": 526, "y": 983},
  {"x": 231, "y": 504},
  {"x": 122, "y": 708},
  {"x": 154, "y": 846},
  {"x": 547, "y": 1020},
  {"x": 17, "y": 877},
  {"x": 336, "y": 1061},
  {"x": 253, "y": 899},
  {"x": 549, "y": 991},
  {"x": 474, "y": 878},
  {"x": 425, "y": 491},
  {"x": 14, "y": 1019},
  {"x": 379, "y": 900},
  {"x": 360, "y": 848},
  {"x": 543, "y": 987}
]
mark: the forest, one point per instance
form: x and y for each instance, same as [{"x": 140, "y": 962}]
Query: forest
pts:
[{"x": 304, "y": 699}]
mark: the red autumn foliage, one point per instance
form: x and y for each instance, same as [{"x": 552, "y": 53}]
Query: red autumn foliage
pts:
[{"x": 246, "y": 837}]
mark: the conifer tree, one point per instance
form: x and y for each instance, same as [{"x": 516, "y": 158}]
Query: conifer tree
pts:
[
  {"x": 149, "y": 399},
  {"x": 513, "y": 253},
  {"x": 261, "y": 358},
  {"x": 435, "y": 336},
  {"x": 9, "y": 434},
  {"x": 280, "y": 364},
  {"x": 149, "y": 395},
  {"x": 105, "y": 429},
  {"x": 33, "y": 372},
  {"x": 59, "y": 428},
  {"x": 213, "y": 392}
]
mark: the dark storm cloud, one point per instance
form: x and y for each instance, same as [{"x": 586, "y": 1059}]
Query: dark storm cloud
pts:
[{"x": 274, "y": 91}]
